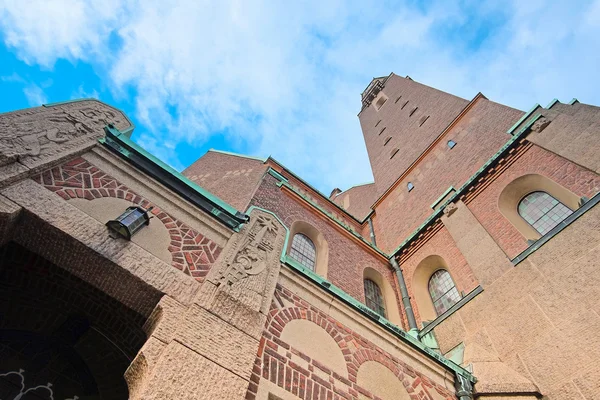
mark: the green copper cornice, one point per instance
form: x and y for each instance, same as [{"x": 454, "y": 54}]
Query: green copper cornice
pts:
[{"x": 119, "y": 143}]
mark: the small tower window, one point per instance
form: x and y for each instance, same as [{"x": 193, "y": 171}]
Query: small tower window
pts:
[
  {"x": 377, "y": 123},
  {"x": 442, "y": 290},
  {"x": 413, "y": 111},
  {"x": 410, "y": 186},
  {"x": 393, "y": 153},
  {"x": 382, "y": 129},
  {"x": 398, "y": 99},
  {"x": 542, "y": 211},
  {"x": 451, "y": 143},
  {"x": 387, "y": 140},
  {"x": 303, "y": 251},
  {"x": 380, "y": 102},
  {"x": 373, "y": 297}
]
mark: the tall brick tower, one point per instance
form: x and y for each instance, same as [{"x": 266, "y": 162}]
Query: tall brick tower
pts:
[{"x": 400, "y": 118}]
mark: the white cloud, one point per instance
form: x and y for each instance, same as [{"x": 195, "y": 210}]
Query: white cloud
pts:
[
  {"x": 35, "y": 95},
  {"x": 285, "y": 78}
]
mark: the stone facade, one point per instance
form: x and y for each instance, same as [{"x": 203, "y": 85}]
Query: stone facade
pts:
[{"x": 208, "y": 301}]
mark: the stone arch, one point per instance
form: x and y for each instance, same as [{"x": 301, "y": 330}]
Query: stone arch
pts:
[
  {"x": 520, "y": 187},
  {"x": 388, "y": 292},
  {"x": 73, "y": 335},
  {"x": 191, "y": 252},
  {"x": 382, "y": 381},
  {"x": 321, "y": 246},
  {"x": 420, "y": 284}
]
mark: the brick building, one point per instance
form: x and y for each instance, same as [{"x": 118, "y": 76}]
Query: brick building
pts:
[{"x": 466, "y": 270}]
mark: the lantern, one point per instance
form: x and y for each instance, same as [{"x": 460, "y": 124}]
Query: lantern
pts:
[{"x": 128, "y": 223}]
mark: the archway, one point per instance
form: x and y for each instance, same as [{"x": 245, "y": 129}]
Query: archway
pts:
[{"x": 56, "y": 329}]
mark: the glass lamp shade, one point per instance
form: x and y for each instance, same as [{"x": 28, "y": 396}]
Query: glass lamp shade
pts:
[{"x": 128, "y": 223}]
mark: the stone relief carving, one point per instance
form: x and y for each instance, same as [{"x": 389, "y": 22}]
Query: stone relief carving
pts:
[
  {"x": 251, "y": 258},
  {"x": 42, "y": 131},
  {"x": 540, "y": 124},
  {"x": 450, "y": 209},
  {"x": 248, "y": 268}
]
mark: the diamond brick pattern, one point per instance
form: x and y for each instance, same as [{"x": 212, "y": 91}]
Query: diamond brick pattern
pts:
[
  {"x": 192, "y": 252},
  {"x": 307, "y": 382}
]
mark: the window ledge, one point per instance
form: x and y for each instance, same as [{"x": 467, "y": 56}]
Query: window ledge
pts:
[
  {"x": 457, "y": 306},
  {"x": 557, "y": 229}
]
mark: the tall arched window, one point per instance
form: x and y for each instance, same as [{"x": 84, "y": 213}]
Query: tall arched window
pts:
[
  {"x": 303, "y": 251},
  {"x": 542, "y": 211},
  {"x": 442, "y": 291},
  {"x": 373, "y": 297}
]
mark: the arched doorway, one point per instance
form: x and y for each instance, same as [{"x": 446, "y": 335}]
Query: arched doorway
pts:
[{"x": 61, "y": 338}]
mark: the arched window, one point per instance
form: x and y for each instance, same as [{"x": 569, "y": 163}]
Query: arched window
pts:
[
  {"x": 303, "y": 251},
  {"x": 442, "y": 291},
  {"x": 373, "y": 297},
  {"x": 542, "y": 211}
]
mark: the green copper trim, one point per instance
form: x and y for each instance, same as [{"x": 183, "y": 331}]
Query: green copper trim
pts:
[
  {"x": 455, "y": 307},
  {"x": 552, "y": 103},
  {"x": 165, "y": 174},
  {"x": 588, "y": 205},
  {"x": 277, "y": 175},
  {"x": 229, "y": 153},
  {"x": 326, "y": 198},
  {"x": 378, "y": 319},
  {"x": 435, "y": 203},
  {"x": 523, "y": 118},
  {"x": 463, "y": 188},
  {"x": 332, "y": 217},
  {"x": 573, "y": 101}
]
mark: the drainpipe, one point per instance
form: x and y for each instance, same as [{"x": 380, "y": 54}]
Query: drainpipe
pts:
[
  {"x": 373, "y": 240},
  {"x": 410, "y": 316},
  {"x": 464, "y": 388}
]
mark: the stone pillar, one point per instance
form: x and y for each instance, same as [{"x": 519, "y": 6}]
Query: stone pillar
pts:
[
  {"x": 207, "y": 350},
  {"x": 486, "y": 259}
]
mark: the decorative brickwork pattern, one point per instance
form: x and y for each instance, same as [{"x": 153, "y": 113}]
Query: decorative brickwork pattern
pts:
[
  {"x": 312, "y": 380},
  {"x": 192, "y": 253}
]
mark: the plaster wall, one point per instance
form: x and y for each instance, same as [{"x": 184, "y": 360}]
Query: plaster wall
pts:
[{"x": 538, "y": 317}]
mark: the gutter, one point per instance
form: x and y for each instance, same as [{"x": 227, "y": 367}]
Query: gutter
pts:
[{"x": 120, "y": 144}]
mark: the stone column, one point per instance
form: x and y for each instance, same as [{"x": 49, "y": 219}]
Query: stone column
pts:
[
  {"x": 207, "y": 350},
  {"x": 486, "y": 259}
]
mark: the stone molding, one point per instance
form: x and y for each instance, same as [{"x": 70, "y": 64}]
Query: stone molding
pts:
[{"x": 35, "y": 138}]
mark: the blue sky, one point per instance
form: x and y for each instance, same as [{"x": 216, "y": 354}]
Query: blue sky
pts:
[{"x": 268, "y": 78}]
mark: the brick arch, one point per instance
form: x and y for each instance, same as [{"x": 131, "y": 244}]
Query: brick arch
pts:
[
  {"x": 285, "y": 315},
  {"x": 191, "y": 252}
]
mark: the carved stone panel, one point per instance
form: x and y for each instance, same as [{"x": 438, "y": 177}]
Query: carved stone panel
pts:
[
  {"x": 35, "y": 136},
  {"x": 248, "y": 268}
]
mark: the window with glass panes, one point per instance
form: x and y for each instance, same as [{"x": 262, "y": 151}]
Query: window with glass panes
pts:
[
  {"x": 303, "y": 251},
  {"x": 543, "y": 211},
  {"x": 442, "y": 291},
  {"x": 373, "y": 297}
]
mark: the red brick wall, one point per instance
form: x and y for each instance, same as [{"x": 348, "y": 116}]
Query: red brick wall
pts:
[
  {"x": 315, "y": 197},
  {"x": 535, "y": 160},
  {"x": 272, "y": 365},
  {"x": 359, "y": 200},
  {"x": 479, "y": 135},
  {"x": 231, "y": 178},
  {"x": 405, "y": 131},
  {"x": 440, "y": 244},
  {"x": 192, "y": 253},
  {"x": 347, "y": 259}
]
